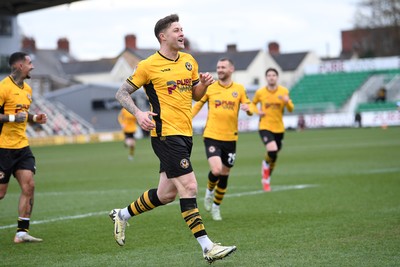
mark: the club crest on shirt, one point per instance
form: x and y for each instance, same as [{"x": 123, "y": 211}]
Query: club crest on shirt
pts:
[
  {"x": 211, "y": 149},
  {"x": 235, "y": 94},
  {"x": 184, "y": 163},
  {"x": 188, "y": 66}
]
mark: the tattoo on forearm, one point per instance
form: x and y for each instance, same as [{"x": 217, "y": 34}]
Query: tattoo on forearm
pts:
[{"x": 124, "y": 97}]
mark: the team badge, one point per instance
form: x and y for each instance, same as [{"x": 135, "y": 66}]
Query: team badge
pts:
[
  {"x": 2, "y": 175},
  {"x": 188, "y": 66},
  {"x": 211, "y": 149},
  {"x": 235, "y": 94},
  {"x": 184, "y": 163}
]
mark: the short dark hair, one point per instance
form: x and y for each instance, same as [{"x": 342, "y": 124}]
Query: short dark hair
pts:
[
  {"x": 272, "y": 69},
  {"x": 15, "y": 57},
  {"x": 227, "y": 59},
  {"x": 164, "y": 23}
]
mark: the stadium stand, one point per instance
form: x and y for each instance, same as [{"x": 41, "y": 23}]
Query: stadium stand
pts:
[
  {"x": 61, "y": 121},
  {"x": 329, "y": 92},
  {"x": 379, "y": 106}
]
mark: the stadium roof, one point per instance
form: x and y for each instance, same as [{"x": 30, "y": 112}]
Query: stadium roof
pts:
[{"x": 15, "y": 7}]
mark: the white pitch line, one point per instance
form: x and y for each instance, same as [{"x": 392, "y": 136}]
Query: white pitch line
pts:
[
  {"x": 73, "y": 217},
  {"x": 91, "y": 214}
]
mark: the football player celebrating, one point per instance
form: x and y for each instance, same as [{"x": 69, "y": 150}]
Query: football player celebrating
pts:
[
  {"x": 15, "y": 154},
  {"x": 225, "y": 98},
  {"x": 171, "y": 80},
  {"x": 273, "y": 100}
]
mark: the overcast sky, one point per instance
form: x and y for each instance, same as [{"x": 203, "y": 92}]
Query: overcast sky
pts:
[{"x": 96, "y": 28}]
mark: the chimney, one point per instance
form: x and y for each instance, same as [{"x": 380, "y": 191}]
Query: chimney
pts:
[
  {"x": 28, "y": 44},
  {"x": 63, "y": 45},
  {"x": 273, "y": 48},
  {"x": 130, "y": 41},
  {"x": 231, "y": 48}
]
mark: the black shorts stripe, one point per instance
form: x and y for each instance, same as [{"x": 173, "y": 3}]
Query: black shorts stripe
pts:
[{"x": 155, "y": 105}]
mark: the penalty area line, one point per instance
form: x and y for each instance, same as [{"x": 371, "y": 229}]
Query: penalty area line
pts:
[{"x": 91, "y": 214}]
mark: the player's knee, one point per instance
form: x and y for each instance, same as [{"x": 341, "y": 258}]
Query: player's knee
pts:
[
  {"x": 167, "y": 197},
  {"x": 216, "y": 170},
  {"x": 28, "y": 188},
  {"x": 191, "y": 189},
  {"x": 129, "y": 142},
  {"x": 2, "y": 195}
]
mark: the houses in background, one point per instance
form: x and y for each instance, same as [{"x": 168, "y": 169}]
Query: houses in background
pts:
[
  {"x": 57, "y": 68},
  {"x": 88, "y": 87}
]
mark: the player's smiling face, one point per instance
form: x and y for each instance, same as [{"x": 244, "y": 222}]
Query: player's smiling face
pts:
[
  {"x": 174, "y": 36},
  {"x": 26, "y": 67},
  {"x": 224, "y": 70}
]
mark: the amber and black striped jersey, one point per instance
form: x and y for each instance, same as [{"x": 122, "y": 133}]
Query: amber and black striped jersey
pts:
[
  {"x": 127, "y": 121},
  {"x": 14, "y": 99},
  {"x": 273, "y": 107},
  {"x": 223, "y": 108},
  {"x": 168, "y": 85}
]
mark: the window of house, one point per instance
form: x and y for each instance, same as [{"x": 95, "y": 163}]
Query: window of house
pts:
[
  {"x": 5, "y": 26},
  {"x": 4, "y": 68}
]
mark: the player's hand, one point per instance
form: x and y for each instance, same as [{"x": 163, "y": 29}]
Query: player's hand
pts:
[
  {"x": 284, "y": 98},
  {"x": 261, "y": 113},
  {"x": 206, "y": 79},
  {"x": 20, "y": 116},
  {"x": 244, "y": 107},
  {"x": 41, "y": 118},
  {"x": 145, "y": 120}
]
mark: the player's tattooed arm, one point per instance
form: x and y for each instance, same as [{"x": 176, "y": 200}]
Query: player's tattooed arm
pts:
[
  {"x": 144, "y": 118},
  {"x": 123, "y": 95}
]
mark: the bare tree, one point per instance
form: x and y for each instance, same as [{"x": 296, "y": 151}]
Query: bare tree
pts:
[
  {"x": 378, "y": 13},
  {"x": 382, "y": 18}
]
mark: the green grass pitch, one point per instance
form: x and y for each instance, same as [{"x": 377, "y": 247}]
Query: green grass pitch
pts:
[{"x": 335, "y": 202}]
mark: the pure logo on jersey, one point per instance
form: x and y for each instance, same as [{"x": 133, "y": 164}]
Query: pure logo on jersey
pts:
[
  {"x": 225, "y": 104},
  {"x": 188, "y": 66},
  {"x": 171, "y": 86},
  {"x": 2, "y": 175},
  {"x": 29, "y": 97},
  {"x": 183, "y": 85},
  {"x": 272, "y": 105},
  {"x": 235, "y": 94},
  {"x": 184, "y": 163},
  {"x": 21, "y": 107},
  {"x": 164, "y": 70}
]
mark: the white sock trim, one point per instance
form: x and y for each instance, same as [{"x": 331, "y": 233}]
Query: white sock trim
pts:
[
  {"x": 124, "y": 214},
  {"x": 205, "y": 242}
]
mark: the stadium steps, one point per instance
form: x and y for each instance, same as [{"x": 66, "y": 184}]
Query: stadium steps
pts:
[
  {"x": 60, "y": 120},
  {"x": 378, "y": 106},
  {"x": 329, "y": 92}
]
